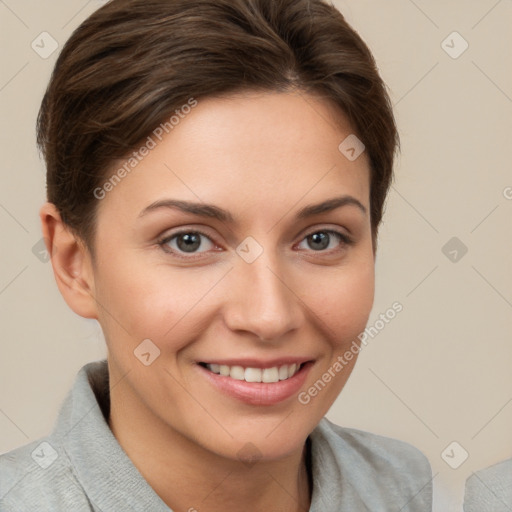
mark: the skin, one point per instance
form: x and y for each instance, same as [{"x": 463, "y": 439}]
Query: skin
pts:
[{"x": 181, "y": 433}]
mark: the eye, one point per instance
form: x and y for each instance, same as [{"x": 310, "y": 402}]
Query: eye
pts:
[
  {"x": 186, "y": 242},
  {"x": 318, "y": 241},
  {"x": 194, "y": 242}
]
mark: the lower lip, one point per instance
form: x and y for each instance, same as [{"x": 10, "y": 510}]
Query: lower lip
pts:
[{"x": 258, "y": 393}]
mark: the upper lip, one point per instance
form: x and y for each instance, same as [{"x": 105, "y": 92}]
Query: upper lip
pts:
[{"x": 258, "y": 363}]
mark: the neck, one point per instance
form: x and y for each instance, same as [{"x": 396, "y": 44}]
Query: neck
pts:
[{"x": 188, "y": 477}]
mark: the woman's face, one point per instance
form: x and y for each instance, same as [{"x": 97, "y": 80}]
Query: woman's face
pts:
[{"x": 259, "y": 285}]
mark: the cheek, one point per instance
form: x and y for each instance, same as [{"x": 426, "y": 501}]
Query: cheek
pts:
[
  {"x": 151, "y": 301},
  {"x": 343, "y": 308},
  {"x": 345, "y": 301},
  {"x": 343, "y": 305}
]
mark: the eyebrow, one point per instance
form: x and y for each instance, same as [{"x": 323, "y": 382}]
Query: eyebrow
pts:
[{"x": 214, "y": 212}]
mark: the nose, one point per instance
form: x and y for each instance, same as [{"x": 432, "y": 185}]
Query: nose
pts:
[{"x": 262, "y": 299}]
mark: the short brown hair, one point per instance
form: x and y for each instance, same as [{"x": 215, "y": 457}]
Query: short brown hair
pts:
[{"x": 132, "y": 63}]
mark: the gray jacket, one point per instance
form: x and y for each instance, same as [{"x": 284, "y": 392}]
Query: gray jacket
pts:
[{"x": 490, "y": 489}]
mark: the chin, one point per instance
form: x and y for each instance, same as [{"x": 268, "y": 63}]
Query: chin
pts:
[{"x": 267, "y": 439}]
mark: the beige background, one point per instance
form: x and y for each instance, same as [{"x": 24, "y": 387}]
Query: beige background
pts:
[{"x": 440, "y": 371}]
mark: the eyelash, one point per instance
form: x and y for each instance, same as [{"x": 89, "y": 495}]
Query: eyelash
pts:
[{"x": 162, "y": 243}]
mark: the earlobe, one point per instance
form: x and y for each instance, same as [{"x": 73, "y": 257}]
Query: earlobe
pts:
[{"x": 71, "y": 262}]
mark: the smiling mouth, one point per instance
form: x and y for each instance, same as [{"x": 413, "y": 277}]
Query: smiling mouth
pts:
[{"x": 249, "y": 374}]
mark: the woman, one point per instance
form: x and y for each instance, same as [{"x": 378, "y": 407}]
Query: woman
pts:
[{"x": 216, "y": 174}]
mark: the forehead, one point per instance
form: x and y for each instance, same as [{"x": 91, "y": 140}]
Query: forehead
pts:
[{"x": 246, "y": 149}]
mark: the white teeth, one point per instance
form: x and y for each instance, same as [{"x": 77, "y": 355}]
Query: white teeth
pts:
[
  {"x": 253, "y": 374},
  {"x": 283, "y": 372},
  {"x": 237, "y": 372},
  {"x": 267, "y": 375},
  {"x": 270, "y": 375}
]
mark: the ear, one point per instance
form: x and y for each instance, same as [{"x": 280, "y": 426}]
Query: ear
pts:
[{"x": 71, "y": 262}]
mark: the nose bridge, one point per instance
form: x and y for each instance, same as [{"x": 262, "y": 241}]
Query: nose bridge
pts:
[{"x": 262, "y": 300}]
